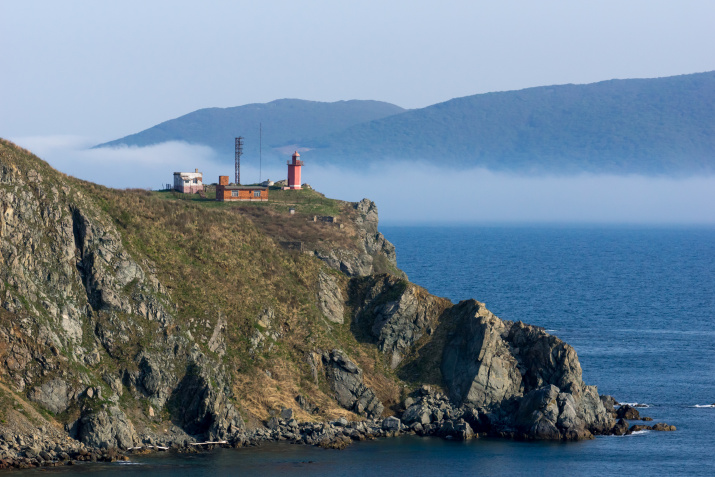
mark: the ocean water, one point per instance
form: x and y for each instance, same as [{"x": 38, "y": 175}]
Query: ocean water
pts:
[{"x": 637, "y": 304}]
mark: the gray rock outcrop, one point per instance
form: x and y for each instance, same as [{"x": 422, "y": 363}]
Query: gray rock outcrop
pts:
[
  {"x": 330, "y": 298},
  {"x": 107, "y": 428},
  {"x": 374, "y": 253},
  {"x": 55, "y": 395},
  {"x": 346, "y": 380},
  {"x": 492, "y": 364},
  {"x": 395, "y": 313},
  {"x": 203, "y": 409}
]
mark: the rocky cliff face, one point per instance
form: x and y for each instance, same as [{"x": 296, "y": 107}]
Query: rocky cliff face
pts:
[
  {"x": 84, "y": 323},
  {"x": 522, "y": 380},
  {"x": 346, "y": 380},
  {"x": 133, "y": 319},
  {"x": 394, "y": 313},
  {"x": 499, "y": 366},
  {"x": 372, "y": 252}
]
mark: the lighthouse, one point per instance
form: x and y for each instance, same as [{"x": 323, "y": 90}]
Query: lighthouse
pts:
[{"x": 294, "y": 166}]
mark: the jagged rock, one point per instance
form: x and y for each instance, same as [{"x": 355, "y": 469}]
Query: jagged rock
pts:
[
  {"x": 350, "y": 262},
  {"x": 107, "y": 428},
  {"x": 287, "y": 414},
  {"x": 591, "y": 410},
  {"x": 458, "y": 429},
  {"x": 115, "y": 383},
  {"x": 628, "y": 412},
  {"x": 661, "y": 426},
  {"x": 330, "y": 297},
  {"x": 538, "y": 413},
  {"x": 157, "y": 377},
  {"x": 267, "y": 334},
  {"x": 375, "y": 253},
  {"x": 621, "y": 428},
  {"x": 53, "y": 395},
  {"x": 306, "y": 405},
  {"x": 217, "y": 343},
  {"x": 201, "y": 408},
  {"x": 490, "y": 363},
  {"x": 391, "y": 424},
  {"x": 395, "y": 313},
  {"x": 345, "y": 379},
  {"x": 477, "y": 364},
  {"x": 373, "y": 241},
  {"x": 609, "y": 403},
  {"x": 417, "y": 413}
]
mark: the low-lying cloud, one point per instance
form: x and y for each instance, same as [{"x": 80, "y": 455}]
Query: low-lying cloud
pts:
[
  {"x": 408, "y": 194},
  {"x": 405, "y": 192},
  {"x": 148, "y": 167}
]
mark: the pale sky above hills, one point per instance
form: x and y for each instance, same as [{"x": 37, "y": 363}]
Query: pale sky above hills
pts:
[
  {"x": 80, "y": 72},
  {"x": 108, "y": 69}
]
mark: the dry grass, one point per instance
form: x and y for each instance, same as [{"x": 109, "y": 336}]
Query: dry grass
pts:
[{"x": 224, "y": 258}]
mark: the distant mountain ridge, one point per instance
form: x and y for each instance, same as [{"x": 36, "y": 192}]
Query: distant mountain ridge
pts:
[
  {"x": 647, "y": 126},
  {"x": 284, "y": 122}
]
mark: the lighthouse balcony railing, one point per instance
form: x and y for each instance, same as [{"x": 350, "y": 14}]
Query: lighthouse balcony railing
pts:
[{"x": 296, "y": 163}]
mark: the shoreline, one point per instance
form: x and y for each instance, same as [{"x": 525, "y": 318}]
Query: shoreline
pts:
[{"x": 446, "y": 421}]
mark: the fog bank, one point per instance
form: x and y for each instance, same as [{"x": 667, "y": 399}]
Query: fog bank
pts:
[{"x": 408, "y": 193}]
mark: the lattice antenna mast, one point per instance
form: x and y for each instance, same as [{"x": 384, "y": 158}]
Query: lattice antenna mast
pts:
[{"x": 239, "y": 153}]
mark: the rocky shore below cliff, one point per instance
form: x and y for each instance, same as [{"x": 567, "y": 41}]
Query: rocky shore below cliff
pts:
[{"x": 426, "y": 413}]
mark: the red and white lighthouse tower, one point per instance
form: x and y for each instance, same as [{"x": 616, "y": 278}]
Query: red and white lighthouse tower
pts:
[{"x": 294, "y": 171}]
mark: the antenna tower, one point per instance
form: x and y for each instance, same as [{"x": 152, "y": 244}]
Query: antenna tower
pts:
[{"x": 239, "y": 153}]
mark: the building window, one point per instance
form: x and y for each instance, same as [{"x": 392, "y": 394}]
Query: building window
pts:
[
  {"x": 256, "y": 193},
  {"x": 196, "y": 181},
  {"x": 234, "y": 193}
]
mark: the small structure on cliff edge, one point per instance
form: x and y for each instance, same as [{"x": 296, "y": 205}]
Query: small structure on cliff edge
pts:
[
  {"x": 228, "y": 192},
  {"x": 189, "y": 182},
  {"x": 294, "y": 167}
]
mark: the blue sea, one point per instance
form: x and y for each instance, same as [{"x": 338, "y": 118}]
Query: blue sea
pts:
[{"x": 637, "y": 304}]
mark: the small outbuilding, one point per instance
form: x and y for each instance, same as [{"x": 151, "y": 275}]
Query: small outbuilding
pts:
[
  {"x": 188, "y": 182},
  {"x": 229, "y": 192}
]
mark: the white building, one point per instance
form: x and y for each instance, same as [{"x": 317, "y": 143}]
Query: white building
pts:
[{"x": 188, "y": 182}]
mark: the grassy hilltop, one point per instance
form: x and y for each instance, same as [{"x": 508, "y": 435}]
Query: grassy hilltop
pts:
[{"x": 214, "y": 261}]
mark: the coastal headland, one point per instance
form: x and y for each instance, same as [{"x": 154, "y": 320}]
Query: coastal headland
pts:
[{"x": 135, "y": 321}]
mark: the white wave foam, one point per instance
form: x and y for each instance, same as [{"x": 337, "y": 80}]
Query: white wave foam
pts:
[
  {"x": 551, "y": 331},
  {"x": 635, "y": 404},
  {"x": 637, "y": 433},
  {"x": 704, "y": 405}
]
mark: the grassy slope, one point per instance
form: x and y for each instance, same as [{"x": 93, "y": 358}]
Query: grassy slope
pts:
[
  {"x": 215, "y": 258},
  {"x": 224, "y": 258}
]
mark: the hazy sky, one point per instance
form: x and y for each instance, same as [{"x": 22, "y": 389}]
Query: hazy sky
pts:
[
  {"x": 107, "y": 69},
  {"x": 76, "y": 73}
]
